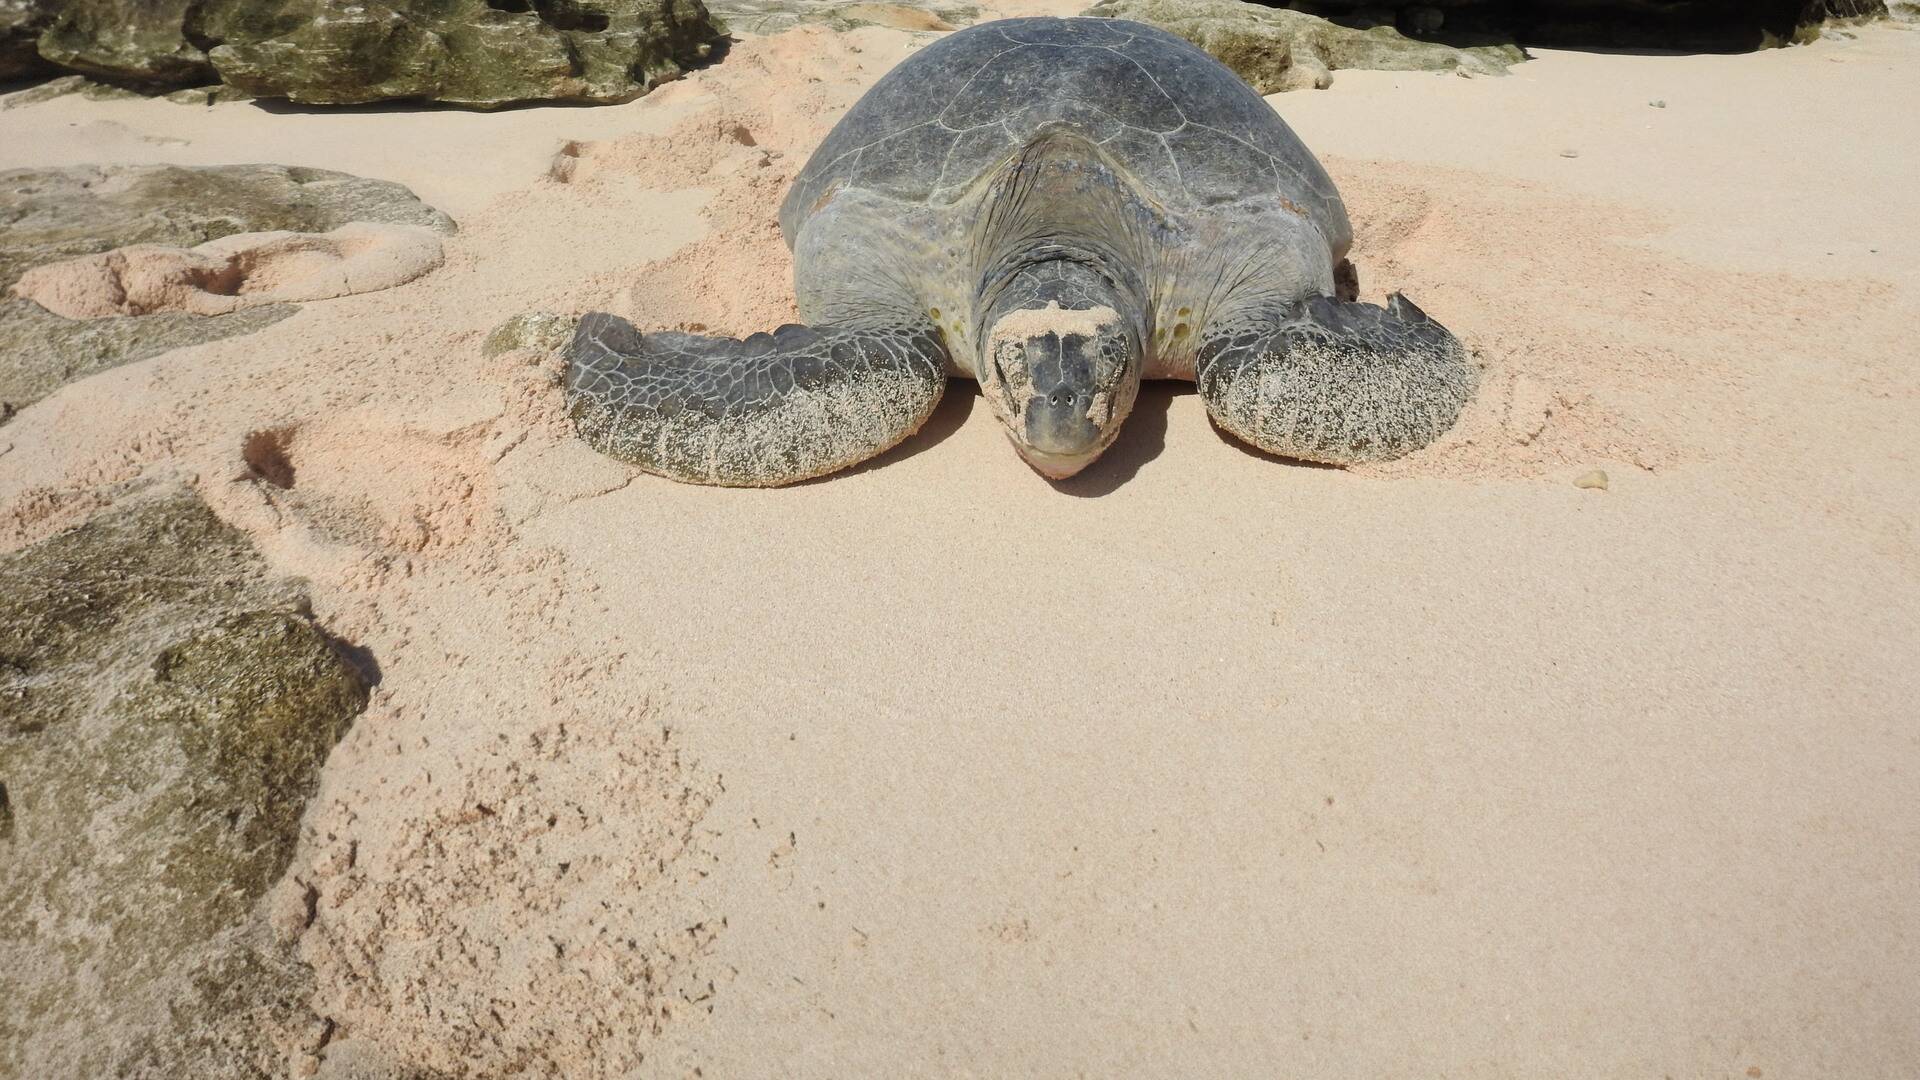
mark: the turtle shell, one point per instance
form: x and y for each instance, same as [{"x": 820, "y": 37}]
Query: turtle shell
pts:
[{"x": 1178, "y": 122}]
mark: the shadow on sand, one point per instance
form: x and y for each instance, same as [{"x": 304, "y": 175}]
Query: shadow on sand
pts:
[{"x": 1142, "y": 438}]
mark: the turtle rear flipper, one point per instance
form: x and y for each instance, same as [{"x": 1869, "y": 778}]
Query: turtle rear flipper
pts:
[
  {"x": 1342, "y": 383},
  {"x": 768, "y": 410}
]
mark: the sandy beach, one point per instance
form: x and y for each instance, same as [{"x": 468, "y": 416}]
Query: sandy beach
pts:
[{"x": 1200, "y": 763}]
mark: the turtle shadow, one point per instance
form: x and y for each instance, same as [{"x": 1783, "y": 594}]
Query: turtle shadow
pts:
[
  {"x": 1253, "y": 451},
  {"x": 1141, "y": 440}
]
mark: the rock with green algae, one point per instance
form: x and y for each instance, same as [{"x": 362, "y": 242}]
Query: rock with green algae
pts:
[
  {"x": 47, "y": 215},
  {"x": 538, "y": 331},
  {"x": 473, "y": 53},
  {"x": 166, "y": 705},
  {"x": 61, "y": 87},
  {"x": 1275, "y": 49},
  {"x": 144, "y": 42},
  {"x": 43, "y": 351},
  {"x": 481, "y": 53}
]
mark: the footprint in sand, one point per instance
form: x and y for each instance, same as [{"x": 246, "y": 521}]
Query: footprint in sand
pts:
[{"x": 372, "y": 486}]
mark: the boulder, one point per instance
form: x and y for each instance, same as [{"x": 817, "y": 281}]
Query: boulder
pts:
[
  {"x": 1275, "y": 49},
  {"x": 478, "y": 53},
  {"x": 143, "y": 42},
  {"x": 80, "y": 85},
  {"x": 51, "y": 215},
  {"x": 166, "y": 705}
]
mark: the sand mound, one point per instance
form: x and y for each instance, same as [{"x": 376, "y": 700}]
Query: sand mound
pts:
[{"x": 234, "y": 272}]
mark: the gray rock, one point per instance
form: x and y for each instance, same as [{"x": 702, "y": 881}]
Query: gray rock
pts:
[
  {"x": 165, "y": 708},
  {"x": 87, "y": 88},
  {"x": 43, "y": 351},
  {"x": 473, "y": 53},
  {"x": 134, "y": 41},
  {"x": 208, "y": 95},
  {"x": 51, "y": 214},
  {"x": 480, "y": 53},
  {"x": 1277, "y": 49}
]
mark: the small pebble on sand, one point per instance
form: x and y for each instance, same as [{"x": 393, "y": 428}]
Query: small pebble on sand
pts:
[
  {"x": 1596, "y": 479},
  {"x": 1569, "y": 153},
  {"x": 1658, "y": 103}
]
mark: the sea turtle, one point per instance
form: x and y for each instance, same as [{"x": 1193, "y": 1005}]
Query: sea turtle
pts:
[{"x": 1057, "y": 208}]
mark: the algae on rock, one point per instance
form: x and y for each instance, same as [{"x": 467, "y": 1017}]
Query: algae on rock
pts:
[
  {"x": 474, "y": 53},
  {"x": 144, "y": 42},
  {"x": 1275, "y": 49},
  {"x": 165, "y": 708},
  {"x": 481, "y": 53}
]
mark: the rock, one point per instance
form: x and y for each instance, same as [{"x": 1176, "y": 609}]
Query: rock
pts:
[
  {"x": 142, "y": 42},
  {"x": 773, "y": 16},
  {"x": 208, "y": 95},
  {"x": 476, "y": 53},
  {"x": 61, "y": 87},
  {"x": 537, "y": 331},
  {"x": 165, "y": 707},
  {"x": 40, "y": 352},
  {"x": 480, "y": 53},
  {"x": 50, "y": 215},
  {"x": 1276, "y": 49},
  {"x": 1595, "y": 480}
]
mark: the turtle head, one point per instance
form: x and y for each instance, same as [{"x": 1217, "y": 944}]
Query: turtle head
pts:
[{"x": 1060, "y": 363}]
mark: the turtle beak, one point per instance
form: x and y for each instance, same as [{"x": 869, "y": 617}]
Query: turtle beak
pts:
[{"x": 1055, "y": 466}]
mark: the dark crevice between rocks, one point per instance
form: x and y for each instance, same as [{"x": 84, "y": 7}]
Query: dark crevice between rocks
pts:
[
  {"x": 559, "y": 14},
  {"x": 1628, "y": 25},
  {"x": 6, "y": 813},
  {"x": 566, "y": 15}
]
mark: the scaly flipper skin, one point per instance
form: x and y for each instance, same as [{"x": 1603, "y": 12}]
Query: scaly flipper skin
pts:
[
  {"x": 1341, "y": 383},
  {"x": 773, "y": 409}
]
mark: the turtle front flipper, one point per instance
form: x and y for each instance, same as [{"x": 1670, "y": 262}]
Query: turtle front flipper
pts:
[
  {"x": 773, "y": 409},
  {"x": 1342, "y": 383}
]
